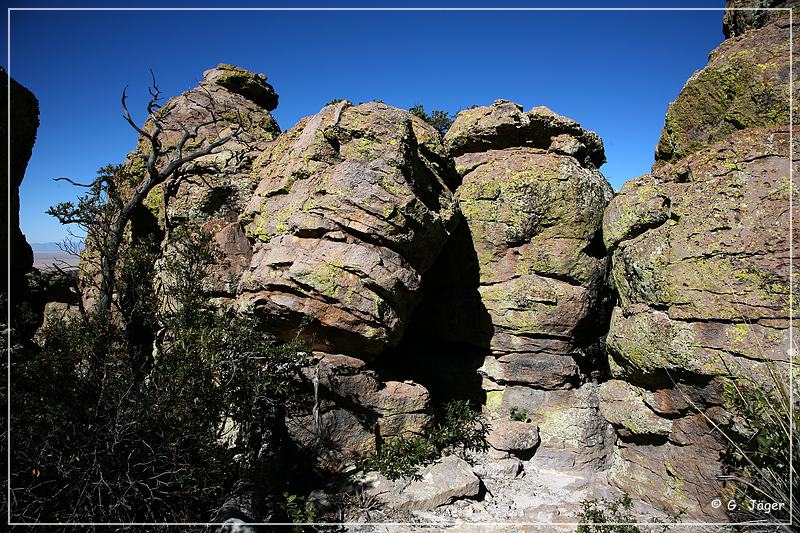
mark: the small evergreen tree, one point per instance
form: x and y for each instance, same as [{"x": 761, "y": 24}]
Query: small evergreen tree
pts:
[{"x": 441, "y": 120}]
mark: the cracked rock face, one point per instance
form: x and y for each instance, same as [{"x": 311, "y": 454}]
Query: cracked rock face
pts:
[
  {"x": 703, "y": 294},
  {"x": 352, "y": 207},
  {"x": 533, "y": 202}
]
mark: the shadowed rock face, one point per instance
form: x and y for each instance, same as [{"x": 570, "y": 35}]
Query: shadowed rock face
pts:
[
  {"x": 735, "y": 22},
  {"x": 352, "y": 207},
  {"x": 356, "y": 408},
  {"x": 24, "y": 121},
  {"x": 700, "y": 263},
  {"x": 523, "y": 280}
]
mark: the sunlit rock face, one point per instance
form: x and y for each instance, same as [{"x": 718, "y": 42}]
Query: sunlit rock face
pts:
[{"x": 351, "y": 209}]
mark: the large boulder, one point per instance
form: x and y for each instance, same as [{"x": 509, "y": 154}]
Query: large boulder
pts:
[
  {"x": 449, "y": 479},
  {"x": 214, "y": 189},
  {"x": 208, "y": 193},
  {"x": 532, "y": 199},
  {"x": 352, "y": 207},
  {"x": 701, "y": 260},
  {"x": 24, "y": 121}
]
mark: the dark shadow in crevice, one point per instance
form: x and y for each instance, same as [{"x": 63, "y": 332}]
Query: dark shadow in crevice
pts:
[
  {"x": 591, "y": 333},
  {"x": 450, "y": 330}
]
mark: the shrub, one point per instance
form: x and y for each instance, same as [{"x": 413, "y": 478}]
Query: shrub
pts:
[
  {"x": 441, "y": 120},
  {"x": 518, "y": 415},
  {"x": 604, "y": 516},
  {"x": 295, "y": 508},
  {"x": 759, "y": 461},
  {"x": 460, "y": 428},
  {"x": 97, "y": 438}
]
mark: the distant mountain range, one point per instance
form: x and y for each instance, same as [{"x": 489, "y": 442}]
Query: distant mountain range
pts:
[{"x": 49, "y": 246}]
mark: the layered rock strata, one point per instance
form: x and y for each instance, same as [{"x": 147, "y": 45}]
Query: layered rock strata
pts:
[{"x": 351, "y": 209}]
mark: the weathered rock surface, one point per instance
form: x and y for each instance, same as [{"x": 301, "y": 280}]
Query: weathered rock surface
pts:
[
  {"x": 707, "y": 282},
  {"x": 505, "y": 125},
  {"x": 700, "y": 263},
  {"x": 209, "y": 193},
  {"x": 448, "y": 479},
  {"x": 351, "y": 209},
  {"x": 572, "y": 432},
  {"x": 533, "y": 200},
  {"x": 24, "y": 121},
  {"x": 625, "y": 407},
  {"x": 354, "y": 408},
  {"x": 744, "y": 85}
]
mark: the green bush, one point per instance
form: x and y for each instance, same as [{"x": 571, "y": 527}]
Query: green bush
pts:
[
  {"x": 604, "y": 516},
  {"x": 459, "y": 428},
  {"x": 295, "y": 508},
  {"x": 518, "y": 415},
  {"x": 99, "y": 437},
  {"x": 441, "y": 120},
  {"x": 759, "y": 462}
]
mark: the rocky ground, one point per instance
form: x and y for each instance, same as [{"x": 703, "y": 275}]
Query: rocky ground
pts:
[{"x": 487, "y": 491}]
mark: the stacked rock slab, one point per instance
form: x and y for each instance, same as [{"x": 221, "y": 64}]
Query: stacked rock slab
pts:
[
  {"x": 352, "y": 207},
  {"x": 700, "y": 262},
  {"x": 353, "y": 410},
  {"x": 533, "y": 200}
]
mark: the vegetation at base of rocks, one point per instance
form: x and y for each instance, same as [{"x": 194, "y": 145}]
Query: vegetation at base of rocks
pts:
[
  {"x": 104, "y": 433},
  {"x": 759, "y": 461},
  {"x": 607, "y": 516},
  {"x": 441, "y": 120},
  {"x": 296, "y": 510},
  {"x": 518, "y": 415},
  {"x": 612, "y": 516},
  {"x": 459, "y": 428}
]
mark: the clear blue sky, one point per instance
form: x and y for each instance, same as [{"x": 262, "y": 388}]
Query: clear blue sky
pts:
[{"x": 614, "y": 72}]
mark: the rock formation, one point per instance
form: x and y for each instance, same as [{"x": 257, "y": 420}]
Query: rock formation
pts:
[
  {"x": 533, "y": 200},
  {"x": 351, "y": 209},
  {"x": 700, "y": 263},
  {"x": 24, "y": 121},
  {"x": 598, "y": 334}
]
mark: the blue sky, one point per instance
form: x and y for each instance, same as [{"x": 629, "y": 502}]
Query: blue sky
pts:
[{"x": 614, "y": 72}]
